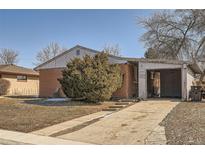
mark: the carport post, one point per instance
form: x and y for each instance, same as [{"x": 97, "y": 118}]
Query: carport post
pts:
[{"x": 184, "y": 82}]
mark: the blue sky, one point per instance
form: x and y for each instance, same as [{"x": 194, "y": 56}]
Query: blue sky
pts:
[{"x": 28, "y": 31}]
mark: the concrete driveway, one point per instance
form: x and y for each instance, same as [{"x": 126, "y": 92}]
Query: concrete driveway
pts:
[{"x": 137, "y": 124}]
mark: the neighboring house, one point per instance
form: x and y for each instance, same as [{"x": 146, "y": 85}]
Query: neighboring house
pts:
[
  {"x": 23, "y": 81},
  {"x": 142, "y": 77}
]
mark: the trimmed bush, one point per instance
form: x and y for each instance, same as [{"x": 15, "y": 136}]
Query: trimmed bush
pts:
[
  {"x": 4, "y": 86},
  {"x": 91, "y": 78}
]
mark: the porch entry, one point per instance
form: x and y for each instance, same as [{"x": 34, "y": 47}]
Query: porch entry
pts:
[{"x": 164, "y": 83}]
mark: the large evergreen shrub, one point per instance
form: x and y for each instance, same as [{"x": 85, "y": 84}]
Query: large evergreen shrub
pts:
[
  {"x": 91, "y": 78},
  {"x": 4, "y": 86}
]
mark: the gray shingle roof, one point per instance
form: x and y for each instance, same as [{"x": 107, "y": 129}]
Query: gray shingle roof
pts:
[
  {"x": 14, "y": 69},
  {"x": 131, "y": 60}
]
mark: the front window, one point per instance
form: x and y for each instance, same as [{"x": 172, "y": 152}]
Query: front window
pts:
[{"x": 21, "y": 78}]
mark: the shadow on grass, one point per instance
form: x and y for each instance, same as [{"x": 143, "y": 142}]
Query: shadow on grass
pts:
[
  {"x": 44, "y": 102},
  {"x": 59, "y": 103}
]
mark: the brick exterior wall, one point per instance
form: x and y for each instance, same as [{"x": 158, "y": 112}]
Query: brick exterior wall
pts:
[
  {"x": 128, "y": 89},
  {"x": 49, "y": 83}
]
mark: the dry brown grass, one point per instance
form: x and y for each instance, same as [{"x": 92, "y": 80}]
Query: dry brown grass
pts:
[{"x": 29, "y": 115}]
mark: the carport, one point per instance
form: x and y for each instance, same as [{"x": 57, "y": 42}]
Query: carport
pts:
[{"x": 162, "y": 79}]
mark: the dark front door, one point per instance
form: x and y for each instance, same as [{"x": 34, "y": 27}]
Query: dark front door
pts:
[{"x": 170, "y": 81}]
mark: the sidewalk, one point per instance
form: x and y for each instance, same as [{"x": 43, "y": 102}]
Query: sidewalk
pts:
[{"x": 12, "y": 137}]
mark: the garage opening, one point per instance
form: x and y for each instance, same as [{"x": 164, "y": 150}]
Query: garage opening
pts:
[{"x": 164, "y": 83}]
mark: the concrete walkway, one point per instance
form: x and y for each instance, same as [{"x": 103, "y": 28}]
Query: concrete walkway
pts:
[
  {"x": 12, "y": 137},
  {"x": 51, "y": 130},
  {"x": 137, "y": 124}
]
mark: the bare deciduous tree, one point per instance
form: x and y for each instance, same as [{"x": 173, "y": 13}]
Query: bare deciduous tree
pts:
[
  {"x": 112, "y": 49},
  {"x": 52, "y": 50},
  {"x": 176, "y": 34},
  {"x": 8, "y": 56}
]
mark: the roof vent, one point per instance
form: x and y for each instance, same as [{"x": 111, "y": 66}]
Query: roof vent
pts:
[{"x": 77, "y": 52}]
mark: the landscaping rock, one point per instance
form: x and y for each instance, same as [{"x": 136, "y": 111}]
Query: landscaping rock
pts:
[{"x": 185, "y": 124}]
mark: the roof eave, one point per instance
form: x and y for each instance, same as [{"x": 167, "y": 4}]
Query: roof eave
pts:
[
  {"x": 195, "y": 68},
  {"x": 15, "y": 73}
]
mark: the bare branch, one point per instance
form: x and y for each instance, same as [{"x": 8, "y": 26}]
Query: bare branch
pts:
[
  {"x": 8, "y": 56},
  {"x": 52, "y": 50},
  {"x": 112, "y": 49}
]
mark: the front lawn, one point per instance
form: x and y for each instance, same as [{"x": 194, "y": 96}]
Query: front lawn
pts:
[
  {"x": 27, "y": 115},
  {"x": 185, "y": 124}
]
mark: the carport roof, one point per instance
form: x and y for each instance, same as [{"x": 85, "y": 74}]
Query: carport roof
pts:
[
  {"x": 146, "y": 60},
  {"x": 194, "y": 66}
]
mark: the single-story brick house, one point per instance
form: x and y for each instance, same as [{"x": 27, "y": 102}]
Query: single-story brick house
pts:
[
  {"x": 142, "y": 77},
  {"x": 22, "y": 81}
]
